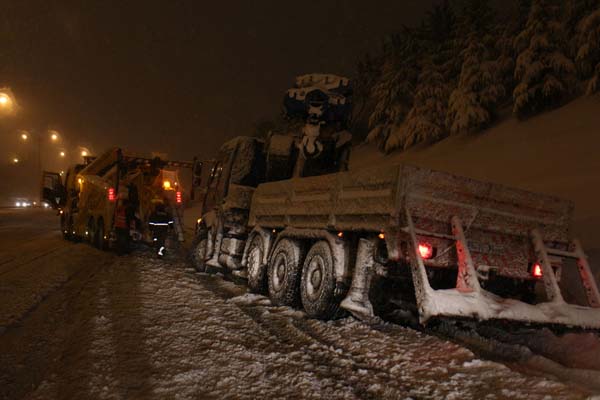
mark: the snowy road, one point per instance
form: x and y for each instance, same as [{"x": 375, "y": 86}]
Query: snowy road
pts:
[{"x": 79, "y": 323}]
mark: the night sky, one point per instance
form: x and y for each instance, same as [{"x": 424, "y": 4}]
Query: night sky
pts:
[{"x": 178, "y": 77}]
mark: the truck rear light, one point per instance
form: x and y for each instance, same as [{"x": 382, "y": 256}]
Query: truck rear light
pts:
[
  {"x": 425, "y": 250},
  {"x": 111, "y": 194},
  {"x": 178, "y": 197},
  {"x": 536, "y": 270}
]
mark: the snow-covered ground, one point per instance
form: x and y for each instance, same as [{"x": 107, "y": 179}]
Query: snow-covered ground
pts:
[
  {"x": 159, "y": 331},
  {"x": 138, "y": 327}
]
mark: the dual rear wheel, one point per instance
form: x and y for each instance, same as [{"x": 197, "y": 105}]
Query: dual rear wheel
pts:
[
  {"x": 295, "y": 278},
  {"x": 291, "y": 277}
]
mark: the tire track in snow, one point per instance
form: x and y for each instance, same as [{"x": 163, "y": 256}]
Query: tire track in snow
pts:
[{"x": 389, "y": 352}]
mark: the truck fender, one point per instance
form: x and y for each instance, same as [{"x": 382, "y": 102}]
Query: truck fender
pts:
[
  {"x": 339, "y": 248},
  {"x": 267, "y": 238}
]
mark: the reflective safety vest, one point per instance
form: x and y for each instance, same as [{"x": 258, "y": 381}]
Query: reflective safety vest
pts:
[{"x": 120, "y": 218}]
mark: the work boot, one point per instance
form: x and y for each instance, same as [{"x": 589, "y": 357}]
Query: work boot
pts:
[{"x": 357, "y": 301}]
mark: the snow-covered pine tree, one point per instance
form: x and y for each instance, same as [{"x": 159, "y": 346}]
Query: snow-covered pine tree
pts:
[
  {"x": 393, "y": 92},
  {"x": 505, "y": 62},
  {"x": 575, "y": 12},
  {"x": 439, "y": 68},
  {"x": 588, "y": 53},
  {"x": 543, "y": 72},
  {"x": 425, "y": 121},
  {"x": 472, "y": 103},
  {"x": 367, "y": 74}
]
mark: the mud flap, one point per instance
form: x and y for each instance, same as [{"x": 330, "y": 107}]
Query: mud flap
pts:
[{"x": 357, "y": 300}]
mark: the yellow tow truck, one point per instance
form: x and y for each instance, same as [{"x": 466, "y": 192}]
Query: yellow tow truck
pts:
[{"x": 89, "y": 195}]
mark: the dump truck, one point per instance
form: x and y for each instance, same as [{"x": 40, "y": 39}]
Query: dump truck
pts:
[
  {"x": 432, "y": 243},
  {"x": 88, "y": 196}
]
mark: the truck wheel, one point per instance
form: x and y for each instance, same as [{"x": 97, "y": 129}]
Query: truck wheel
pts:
[
  {"x": 317, "y": 287},
  {"x": 284, "y": 273},
  {"x": 65, "y": 229},
  {"x": 91, "y": 232},
  {"x": 101, "y": 242},
  {"x": 198, "y": 254},
  {"x": 257, "y": 271}
]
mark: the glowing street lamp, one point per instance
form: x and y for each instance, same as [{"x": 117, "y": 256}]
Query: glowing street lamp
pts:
[
  {"x": 62, "y": 154},
  {"x": 15, "y": 160},
  {"x": 24, "y": 136},
  {"x": 5, "y": 100},
  {"x": 8, "y": 105},
  {"x": 53, "y": 135},
  {"x": 84, "y": 153}
]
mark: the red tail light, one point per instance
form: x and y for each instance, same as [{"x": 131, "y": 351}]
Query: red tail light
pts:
[
  {"x": 536, "y": 270},
  {"x": 425, "y": 250},
  {"x": 178, "y": 197},
  {"x": 111, "y": 194}
]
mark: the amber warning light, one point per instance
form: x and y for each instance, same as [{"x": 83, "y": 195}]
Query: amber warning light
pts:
[{"x": 111, "y": 194}]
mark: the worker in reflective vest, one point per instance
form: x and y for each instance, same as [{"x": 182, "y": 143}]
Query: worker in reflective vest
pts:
[
  {"x": 160, "y": 221},
  {"x": 122, "y": 227}
]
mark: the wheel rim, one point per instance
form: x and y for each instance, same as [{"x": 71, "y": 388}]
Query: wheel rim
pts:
[
  {"x": 254, "y": 261},
  {"x": 314, "y": 277},
  {"x": 100, "y": 238},
  {"x": 92, "y": 233},
  {"x": 278, "y": 276},
  {"x": 201, "y": 251}
]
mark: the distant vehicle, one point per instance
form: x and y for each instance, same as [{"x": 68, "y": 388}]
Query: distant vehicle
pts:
[
  {"x": 94, "y": 197},
  {"x": 23, "y": 203},
  {"x": 306, "y": 232}
]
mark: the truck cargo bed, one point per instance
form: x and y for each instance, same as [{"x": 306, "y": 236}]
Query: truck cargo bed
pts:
[{"x": 374, "y": 199}]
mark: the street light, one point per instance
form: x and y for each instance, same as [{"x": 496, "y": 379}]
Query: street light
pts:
[
  {"x": 15, "y": 160},
  {"x": 8, "y": 105},
  {"x": 53, "y": 135},
  {"x": 62, "y": 153},
  {"x": 5, "y": 100},
  {"x": 24, "y": 136},
  {"x": 84, "y": 153}
]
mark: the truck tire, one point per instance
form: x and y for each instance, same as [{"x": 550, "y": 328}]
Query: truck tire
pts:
[
  {"x": 317, "y": 286},
  {"x": 101, "y": 242},
  {"x": 198, "y": 254},
  {"x": 65, "y": 229},
  {"x": 257, "y": 271},
  {"x": 284, "y": 269},
  {"x": 91, "y": 232}
]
